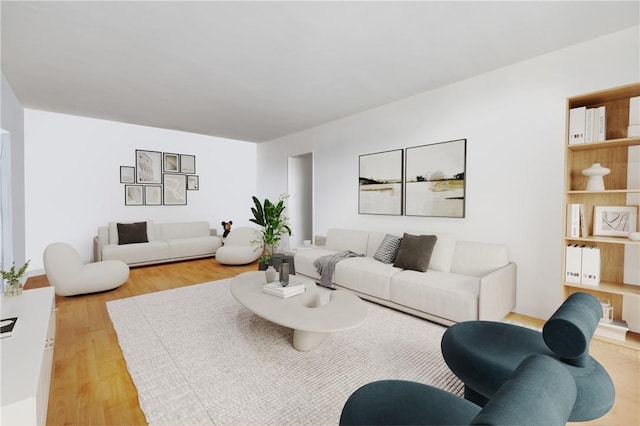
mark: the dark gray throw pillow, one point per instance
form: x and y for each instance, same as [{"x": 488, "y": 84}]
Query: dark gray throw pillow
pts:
[
  {"x": 415, "y": 252},
  {"x": 129, "y": 233},
  {"x": 388, "y": 249}
]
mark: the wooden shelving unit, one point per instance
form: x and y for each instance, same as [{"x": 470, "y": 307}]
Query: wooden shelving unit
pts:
[{"x": 613, "y": 154}]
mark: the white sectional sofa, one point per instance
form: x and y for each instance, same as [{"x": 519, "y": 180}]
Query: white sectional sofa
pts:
[
  {"x": 464, "y": 281},
  {"x": 164, "y": 242}
]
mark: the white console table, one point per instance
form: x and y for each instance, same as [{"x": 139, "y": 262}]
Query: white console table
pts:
[{"x": 27, "y": 357}]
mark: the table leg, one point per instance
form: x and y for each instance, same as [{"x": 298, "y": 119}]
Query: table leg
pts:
[{"x": 307, "y": 340}]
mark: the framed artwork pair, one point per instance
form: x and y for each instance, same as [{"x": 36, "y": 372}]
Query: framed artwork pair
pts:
[{"x": 426, "y": 180}]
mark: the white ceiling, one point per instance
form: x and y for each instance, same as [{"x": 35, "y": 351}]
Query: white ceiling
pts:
[{"x": 255, "y": 71}]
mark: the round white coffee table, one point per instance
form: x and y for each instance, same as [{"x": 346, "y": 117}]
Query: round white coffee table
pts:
[{"x": 311, "y": 320}]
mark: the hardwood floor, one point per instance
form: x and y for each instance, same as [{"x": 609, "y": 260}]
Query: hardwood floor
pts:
[{"x": 90, "y": 384}]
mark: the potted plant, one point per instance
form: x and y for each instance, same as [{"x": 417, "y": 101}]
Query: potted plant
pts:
[
  {"x": 273, "y": 222},
  {"x": 13, "y": 279}
]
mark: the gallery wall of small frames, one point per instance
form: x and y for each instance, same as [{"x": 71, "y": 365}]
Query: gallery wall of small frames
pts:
[{"x": 159, "y": 179}]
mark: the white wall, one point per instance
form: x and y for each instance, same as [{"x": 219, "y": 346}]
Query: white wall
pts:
[
  {"x": 514, "y": 123},
  {"x": 72, "y": 168},
  {"x": 12, "y": 120}
]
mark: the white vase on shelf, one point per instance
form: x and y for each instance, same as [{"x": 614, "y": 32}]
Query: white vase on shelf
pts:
[{"x": 595, "y": 174}]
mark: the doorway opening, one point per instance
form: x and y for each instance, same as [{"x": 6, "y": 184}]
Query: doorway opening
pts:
[
  {"x": 6, "y": 225},
  {"x": 300, "y": 203}
]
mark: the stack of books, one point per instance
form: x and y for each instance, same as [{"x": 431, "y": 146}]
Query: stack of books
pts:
[
  {"x": 294, "y": 288},
  {"x": 587, "y": 125},
  {"x": 6, "y": 326},
  {"x": 582, "y": 264},
  {"x": 576, "y": 223},
  {"x": 616, "y": 330}
]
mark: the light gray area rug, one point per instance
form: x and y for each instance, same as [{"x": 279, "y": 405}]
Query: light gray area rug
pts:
[{"x": 196, "y": 356}]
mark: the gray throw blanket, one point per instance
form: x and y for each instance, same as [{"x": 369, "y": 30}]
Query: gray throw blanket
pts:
[{"x": 325, "y": 265}]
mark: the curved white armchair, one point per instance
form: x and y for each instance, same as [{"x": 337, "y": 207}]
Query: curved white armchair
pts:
[
  {"x": 66, "y": 272},
  {"x": 237, "y": 248}
]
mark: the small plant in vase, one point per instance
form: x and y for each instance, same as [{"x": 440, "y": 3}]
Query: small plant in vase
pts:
[
  {"x": 13, "y": 279},
  {"x": 274, "y": 224}
]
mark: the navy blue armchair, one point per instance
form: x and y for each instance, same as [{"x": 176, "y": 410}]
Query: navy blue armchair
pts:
[
  {"x": 484, "y": 354},
  {"x": 539, "y": 392}
]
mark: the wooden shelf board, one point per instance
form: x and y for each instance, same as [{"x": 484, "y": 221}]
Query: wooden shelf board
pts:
[
  {"x": 606, "y": 287},
  {"x": 612, "y": 143},
  {"x": 606, "y": 240},
  {"x": 606, "y": 191},
  {"x": 606, "y": 95}
]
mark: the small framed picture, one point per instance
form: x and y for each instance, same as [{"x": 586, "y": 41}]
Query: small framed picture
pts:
[
  {"x": 187, "y": 164},
  {"x": 193, "y": 183},
  {"x": 153, "y": 195},
  {"x": 127, "y": 174},
  {"x": 171, "y": 163},
  {"x": 133, "y": 195},
  {"x": 174, "y": 190},
  {"x": 614, "y": 221},
  {"x": 148, "y": 166}
]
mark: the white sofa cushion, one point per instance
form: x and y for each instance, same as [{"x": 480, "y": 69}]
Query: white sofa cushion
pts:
[
  {"x": 347, "y": 239},
  {"x": 194, "y": 246},
  {"x": 479, "y": 259},
  {"x": 442, "y": 255},
  {"x": 137, "y": 253},
  {"x": 365, "y": 275},
  {"x": 375, "y": 239},
  {"x": 170, "y": 231},
  {"x": 304, "y": 261},
  {"x": 443, "y": 294}
]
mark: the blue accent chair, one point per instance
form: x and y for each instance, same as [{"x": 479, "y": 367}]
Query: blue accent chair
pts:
[
  {"x": 539, "y": 392},
  {"x": 484, "y": 354}
]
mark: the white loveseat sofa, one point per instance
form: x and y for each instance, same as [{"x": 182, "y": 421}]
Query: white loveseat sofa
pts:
[
  {"x": 166, "y": 242},
  {"x": 464, "y": 281}
]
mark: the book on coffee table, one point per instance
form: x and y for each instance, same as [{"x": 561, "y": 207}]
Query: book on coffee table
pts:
[
  {"x": 275, "y": 288},
  {"x": 6, "y": 326}
]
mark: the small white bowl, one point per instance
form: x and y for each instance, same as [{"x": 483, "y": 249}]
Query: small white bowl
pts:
[{"x": 634, "y": 236}]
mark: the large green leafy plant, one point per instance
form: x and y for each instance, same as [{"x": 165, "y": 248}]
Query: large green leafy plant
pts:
[{"x": 273, "y": 222}]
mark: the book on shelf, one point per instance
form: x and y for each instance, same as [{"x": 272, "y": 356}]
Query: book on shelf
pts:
[
  {"x": 573, "y": 264},
  {"x": 616, "y": 330},
  {"x": 577, "y": 121},
  {"x": 600, "y": 126},
  {"x": 590, "y": 121},
  {"x": 595, "y": 124},
  {"x": 573, "y": 220},
  {"x": 590, "y": 266},
  {"x": 6, "y": 326},
  {"x": 294, "y": 288},
  {"x": 576, "y": 223},
  {"x": 584, "y": 230}
]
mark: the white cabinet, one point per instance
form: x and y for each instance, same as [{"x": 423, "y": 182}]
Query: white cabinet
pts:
[{"x": 27, "y": 357}]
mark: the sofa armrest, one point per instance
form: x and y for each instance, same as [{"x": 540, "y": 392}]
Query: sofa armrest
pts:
[
  {"x": 97, "y": 249},
  {"x": 497, "y": 293}
]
